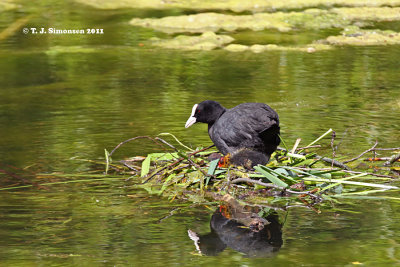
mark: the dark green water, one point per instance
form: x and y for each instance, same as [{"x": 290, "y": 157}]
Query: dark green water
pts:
[{"x": 58, "y": 104}]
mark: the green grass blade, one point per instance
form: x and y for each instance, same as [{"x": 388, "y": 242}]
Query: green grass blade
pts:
[
  {"x": 319, "y": 138},
  {"x": 272, "y": 178},
  {"x": 176, "y": 139},
  {"x": 344, "y": 179},
  {"x": 107, "y": 155},
  {"x": 366, "y": 197},
  {"x": 297, "y": 156},
  {"x": 299, "y": 171},
  {"x": 211, "y": 170},
  {"x": 212, "y": 167},
  {"x": 281, "y": 173},
  {"x": 283, "y": 142},
  {"x": 171, "y": 176},
  {"x": 207, "y": 152},
  {"x": 164, "y": 156},
  {"x": 349, "y": 182},
  {"x": 365, "y": 192},
  {"x": 145, "y": 166}
]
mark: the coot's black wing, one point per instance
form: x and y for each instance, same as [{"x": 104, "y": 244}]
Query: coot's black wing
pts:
[{"x": 248, "y": 125}]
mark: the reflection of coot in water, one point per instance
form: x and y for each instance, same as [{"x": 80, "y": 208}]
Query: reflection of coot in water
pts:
[
  {"x": 226, "y": 232},
  {"x": 251, "y": 126}
]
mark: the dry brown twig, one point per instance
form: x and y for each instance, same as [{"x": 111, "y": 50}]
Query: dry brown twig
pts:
[
  {"x": 165, "y": 142},
  {"x": 359, "y": 156},
  {"x": 392, "y": 160},
  {"x": 132, "y": 139},
  {"x": 333, "y": 148},
  {"x": 333, "y": 162},
  {"x": 373, "y": 149},
  {"x": 197, "y": 166},
  {"x": 306, "y": 147},
  {"x": 389, "y": 148}
]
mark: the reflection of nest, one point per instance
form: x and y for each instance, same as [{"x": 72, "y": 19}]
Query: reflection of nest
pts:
[{"x": 242, "y": 231}]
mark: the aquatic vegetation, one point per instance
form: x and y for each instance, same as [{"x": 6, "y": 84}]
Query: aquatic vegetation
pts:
[
  {"x": 281, "y": 21},
  {"x": 297, "y": 173},
  {"x": 210, "y": 40},
  {"x": 360, "y": 37},
  {"x": 368, "y": 13},
  {"x": 309, "y": 19},
  {"x": 206, "y": 41},
  {"x": 280, "y": 16},
  {"x": 235, "y": 5},
  {"x": 7, "y": 5},
  {"x": 55, "y": 50},
  {"x": 257, "y": 48}
]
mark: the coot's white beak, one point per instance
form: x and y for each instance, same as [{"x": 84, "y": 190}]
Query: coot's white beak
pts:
[
  {"x": 190, "y": 122},
  {"x": 192, "y": 118}
]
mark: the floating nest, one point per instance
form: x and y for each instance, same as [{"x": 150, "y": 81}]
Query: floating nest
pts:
[{"x": 296, "y": 176}]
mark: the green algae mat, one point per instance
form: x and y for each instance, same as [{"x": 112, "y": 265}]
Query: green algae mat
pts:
[{"x": 211, "y": 24}]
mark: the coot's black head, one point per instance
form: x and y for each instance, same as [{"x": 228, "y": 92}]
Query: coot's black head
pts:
[{"x": 207, "y": 111}]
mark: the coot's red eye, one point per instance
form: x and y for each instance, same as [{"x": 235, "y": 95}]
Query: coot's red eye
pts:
[{"x": 197, "y": 110}]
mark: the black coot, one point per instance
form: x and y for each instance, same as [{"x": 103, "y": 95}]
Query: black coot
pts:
[{"x": 252, "y": 126}]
